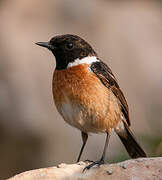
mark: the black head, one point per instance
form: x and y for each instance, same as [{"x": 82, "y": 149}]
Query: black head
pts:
[{"x": 67, "y": 48}]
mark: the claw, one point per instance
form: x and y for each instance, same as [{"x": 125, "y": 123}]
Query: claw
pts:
[
  {"x": 100, "y": 162},
  {"x": 88, "y": 161}
]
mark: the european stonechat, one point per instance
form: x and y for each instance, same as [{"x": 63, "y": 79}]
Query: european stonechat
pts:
[{"x": 87, "y": 94}]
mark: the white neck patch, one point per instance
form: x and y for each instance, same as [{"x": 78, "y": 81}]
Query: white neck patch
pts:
[{"x": 86, "y": 60}]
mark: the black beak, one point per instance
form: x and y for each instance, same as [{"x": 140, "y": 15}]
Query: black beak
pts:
[{"x": 46, "y": 45}]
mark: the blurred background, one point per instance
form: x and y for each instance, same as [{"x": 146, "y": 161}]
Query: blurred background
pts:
[{"x": 126, "y": 34}]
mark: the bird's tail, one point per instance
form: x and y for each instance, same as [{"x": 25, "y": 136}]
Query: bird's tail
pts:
[{"x": 129, "y": 141}]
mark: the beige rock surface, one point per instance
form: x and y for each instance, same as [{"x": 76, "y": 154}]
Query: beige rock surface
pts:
[{"x": 138, "y": 169}]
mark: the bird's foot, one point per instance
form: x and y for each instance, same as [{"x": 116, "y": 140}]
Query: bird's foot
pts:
[
  {"x": 88, "y": 161},
  {"x": 100, "y": 162}
]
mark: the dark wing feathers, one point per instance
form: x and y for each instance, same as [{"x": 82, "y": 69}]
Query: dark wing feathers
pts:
[{"x": 104, "y": 73}]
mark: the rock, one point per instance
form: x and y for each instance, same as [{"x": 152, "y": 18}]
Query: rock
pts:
[{"x": 136, "y": 169}]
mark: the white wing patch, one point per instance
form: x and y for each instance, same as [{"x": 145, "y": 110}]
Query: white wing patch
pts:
[{"x": 86, "y": 60}]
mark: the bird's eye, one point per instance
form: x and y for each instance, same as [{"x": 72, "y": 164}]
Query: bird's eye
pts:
[{"x": 69, "y": 46}]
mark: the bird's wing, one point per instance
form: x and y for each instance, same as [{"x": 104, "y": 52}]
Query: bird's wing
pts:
[{"x": 104, "y": 73}]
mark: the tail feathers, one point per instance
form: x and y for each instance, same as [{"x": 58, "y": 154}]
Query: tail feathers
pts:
[{"x": 130, "y": 143}]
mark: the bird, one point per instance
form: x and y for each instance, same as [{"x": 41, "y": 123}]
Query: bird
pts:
[{"x": 87, "y": 95}]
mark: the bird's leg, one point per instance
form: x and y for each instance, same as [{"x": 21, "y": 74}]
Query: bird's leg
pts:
[
  {"x": 84, "y": 139},
  {"x": 101, "y": 161}
]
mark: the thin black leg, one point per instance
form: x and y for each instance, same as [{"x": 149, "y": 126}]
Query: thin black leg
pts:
[
  {"x": 101, "y": 161},
  {"x": 84, "y": 139}
]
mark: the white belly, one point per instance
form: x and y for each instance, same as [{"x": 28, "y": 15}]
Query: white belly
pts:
[{"x": 76, "y": 115}]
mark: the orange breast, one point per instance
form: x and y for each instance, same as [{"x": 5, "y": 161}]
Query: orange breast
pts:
[{"x": 83, "y": 101}]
